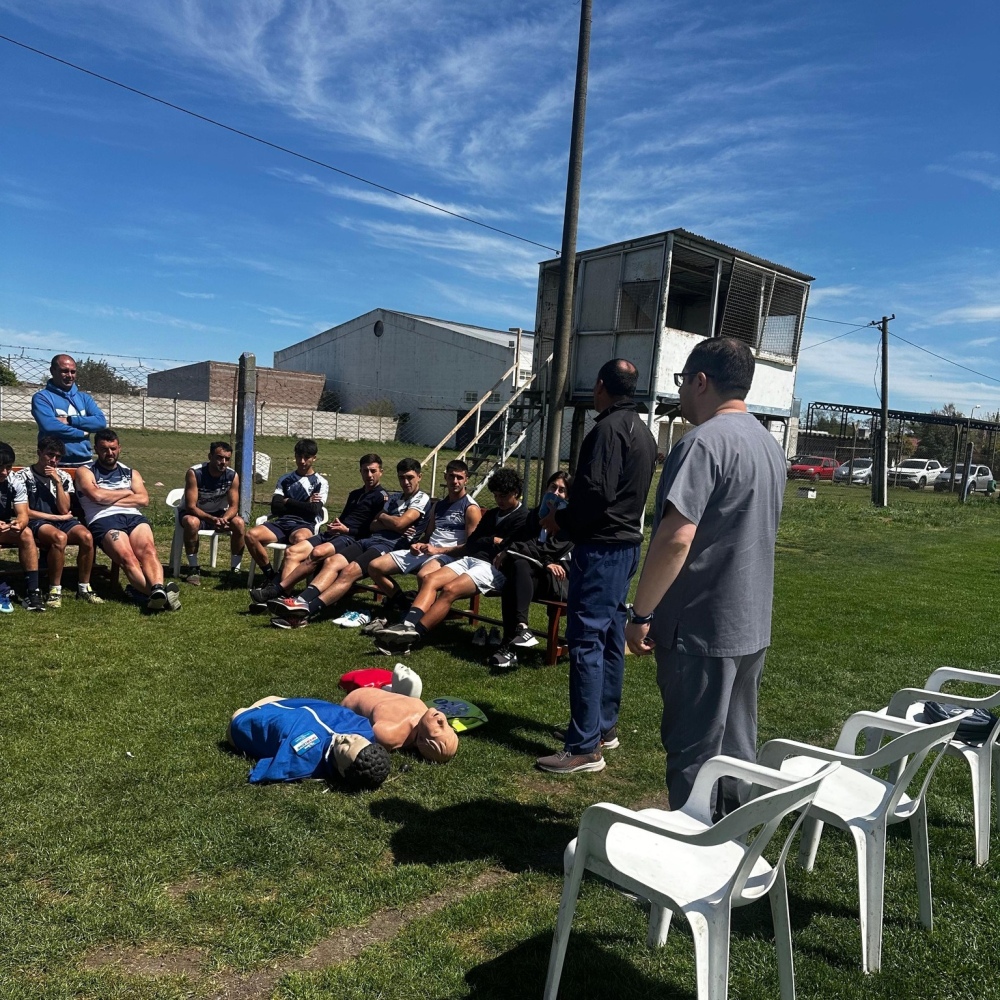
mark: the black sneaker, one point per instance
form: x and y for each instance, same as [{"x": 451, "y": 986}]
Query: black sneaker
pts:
[
  {"x": 289, "y": 623},
  {"x": 34, "y": 601},
  {"x": 609, "y": 740},
  {"x": 136, "y": 596},
  {"x": 261, "y": 595},
  {"x": 503, "y": 659},
  {"x": 495, "y": 638},
  {"x": 480, "y": 636},
  {"x": 524, "y": 639},
  {"x": 157, "y": 599}
]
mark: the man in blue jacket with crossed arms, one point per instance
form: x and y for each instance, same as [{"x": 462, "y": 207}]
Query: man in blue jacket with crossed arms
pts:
[{"x": 67, "y": 412}]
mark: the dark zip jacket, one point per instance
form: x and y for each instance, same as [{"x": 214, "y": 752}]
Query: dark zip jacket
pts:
[{"x": 612, "y": 478}]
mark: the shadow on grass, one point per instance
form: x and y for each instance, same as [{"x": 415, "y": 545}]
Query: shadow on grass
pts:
[
  {"x": 588, "y": 970},
  {"x": 517, "y": 837},
  {"x": 506, "y": 730}
]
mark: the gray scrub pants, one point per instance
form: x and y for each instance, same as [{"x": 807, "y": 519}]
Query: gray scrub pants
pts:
[{"x": 709, "y": 708}]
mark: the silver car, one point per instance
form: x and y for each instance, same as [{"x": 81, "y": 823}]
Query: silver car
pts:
[
  {"x": 861, "y": 474},
  {"x": 979, "y": 479}
]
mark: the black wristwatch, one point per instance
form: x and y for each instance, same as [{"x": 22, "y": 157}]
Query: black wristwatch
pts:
[{"x": 635, "y": 619}]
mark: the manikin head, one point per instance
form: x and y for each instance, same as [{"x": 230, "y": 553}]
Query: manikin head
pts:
[
  {"x": 363, "y": 765},
  {"x": 63, "y": 371},
  {"x": 408, "y": 473},
  {"x": 615, "y": 381},
  {"x": 107, "y": 448},
  {"x": 435, "y": 740},
  {"x": 716, "y": 372},
  {"x": 220, "y": 454},
  {"x": 371, "y": 470}
]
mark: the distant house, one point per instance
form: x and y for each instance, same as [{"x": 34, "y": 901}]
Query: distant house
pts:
[
  {"x": 215, "y": 382},
  {"x": 434, "y": 370}
]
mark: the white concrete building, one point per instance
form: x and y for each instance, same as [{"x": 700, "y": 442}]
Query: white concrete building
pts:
[
  {"x": 651, "y": 299},
  {"x": 431, "y": 369}
]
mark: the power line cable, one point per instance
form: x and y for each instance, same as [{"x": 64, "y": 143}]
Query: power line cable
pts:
[
  {"x": 274, "y": 145},
  {"x": 830, "y": 340},
  {"x": 941, "y": 357},
  {"x": 820, "y": 319}
]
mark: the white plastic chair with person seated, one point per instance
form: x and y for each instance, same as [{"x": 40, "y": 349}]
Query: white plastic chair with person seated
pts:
[
  {"x": 175, "y": 499},
  {"x": 856, "y": 800},
  {"x": 982, "y": 757},
  {"x": 278, "y": 548},
  {"x": 679, "y": 860}
]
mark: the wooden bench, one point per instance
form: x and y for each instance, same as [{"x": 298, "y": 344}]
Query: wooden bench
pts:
[{"x": 555, "y": 645}]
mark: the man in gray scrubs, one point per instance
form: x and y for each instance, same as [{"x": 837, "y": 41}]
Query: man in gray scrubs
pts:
[{"x": 703, "y": 604}]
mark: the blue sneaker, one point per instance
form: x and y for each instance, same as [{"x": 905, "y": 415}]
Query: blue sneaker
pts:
[{"x": 6, "y": 600}]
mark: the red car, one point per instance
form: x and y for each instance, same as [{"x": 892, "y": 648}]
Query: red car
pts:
[{"x": 811, "y": 467}]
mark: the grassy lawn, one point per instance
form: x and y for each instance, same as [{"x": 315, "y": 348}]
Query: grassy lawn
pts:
[{"x": 138, "y": 862}]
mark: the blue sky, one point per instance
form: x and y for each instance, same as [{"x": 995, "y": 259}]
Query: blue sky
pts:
[{"x": 858, "y": 142}]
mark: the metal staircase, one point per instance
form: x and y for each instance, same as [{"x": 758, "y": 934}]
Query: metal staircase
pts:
[{"x": 495, "y": 441}]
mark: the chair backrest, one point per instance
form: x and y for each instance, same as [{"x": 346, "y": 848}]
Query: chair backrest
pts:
[
  {"x": 175, "y": 498},
  {"x": 766, "y": 811}
]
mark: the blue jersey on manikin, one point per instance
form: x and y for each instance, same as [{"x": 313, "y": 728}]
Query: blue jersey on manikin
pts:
[{"x": 290, "y": 738}]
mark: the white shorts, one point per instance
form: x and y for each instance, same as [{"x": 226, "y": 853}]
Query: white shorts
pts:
[
  {"x": 484, "y": 575},
  {"x": 410, "y": 562}
]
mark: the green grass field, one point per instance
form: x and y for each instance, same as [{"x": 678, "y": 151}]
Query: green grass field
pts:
[{"x": 138, "y": 862}]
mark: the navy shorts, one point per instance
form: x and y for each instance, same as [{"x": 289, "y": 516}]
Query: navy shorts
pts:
[
  {"x": 206, "y": 525},
  {"x": 116, "y": 522},
  {"x": 339, "y": 542},
  {"x": 366, "y": 550},
  {"x": 283, "y": 527},
  {"x": 66, "y": 525}
]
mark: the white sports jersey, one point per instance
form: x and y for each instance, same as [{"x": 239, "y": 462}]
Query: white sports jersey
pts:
[
  {"x": 42, "y": 491},
  {"x": 449, "y": 521},
  {"x": 118, "y": 478}
]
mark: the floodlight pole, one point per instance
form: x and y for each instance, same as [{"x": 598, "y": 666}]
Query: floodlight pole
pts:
[{"x": 567, "y": 263}]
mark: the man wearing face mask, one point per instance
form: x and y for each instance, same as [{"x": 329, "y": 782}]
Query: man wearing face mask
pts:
[{"x": 65, "y": 411}]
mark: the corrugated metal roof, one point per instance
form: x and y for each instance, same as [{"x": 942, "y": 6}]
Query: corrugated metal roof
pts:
[
  {"x": 695, "y": 238},
  {"x": 501, "y": 337}
]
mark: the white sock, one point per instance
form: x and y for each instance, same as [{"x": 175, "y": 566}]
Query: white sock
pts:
[
  {"x": 83, "y": 587},
  {"x": 55, "y": 590},
  {"x": 234, "y": 561},
  {"x": 193, "y": 560}
]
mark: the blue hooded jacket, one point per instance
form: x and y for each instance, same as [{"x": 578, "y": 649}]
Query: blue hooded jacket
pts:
[{"x": 81, "y": 412}]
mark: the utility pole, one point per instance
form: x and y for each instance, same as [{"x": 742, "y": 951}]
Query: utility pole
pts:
[
  {"x": 880, "y": 482},
  {"x": 567, "y": 263}
]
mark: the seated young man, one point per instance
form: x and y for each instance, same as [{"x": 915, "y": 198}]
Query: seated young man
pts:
[
  {"x": 399, "y": 521},
  {"x": 14, "y": 531},
  {"x": 50, "y": 491},
  {"x": 211, "y": 503},
  {"x": 301, "y": 559},
  {"x": 112, "y": 496},
  {"x": 451, "y": 522},
  {"x": 296, "y": 508},
  {"x": 534, "y": 564},
  {"x": 471, "y": 568}
]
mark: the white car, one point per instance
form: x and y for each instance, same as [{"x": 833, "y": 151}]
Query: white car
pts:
[{"x": 915, "y": 473}]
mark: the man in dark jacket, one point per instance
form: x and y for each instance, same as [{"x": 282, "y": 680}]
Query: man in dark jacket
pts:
[
  {"x": 604, "y": 520},
  {"x": 65, "y": 411}
]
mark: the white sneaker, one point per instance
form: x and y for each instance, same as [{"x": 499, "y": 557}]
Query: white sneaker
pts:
[{"x": 352, "y": 619}]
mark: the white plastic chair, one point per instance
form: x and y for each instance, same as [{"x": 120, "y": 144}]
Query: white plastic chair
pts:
[
  {"x": 865, "y": 805},
  {"x": 278, "y": 548},
  {"x": 175, "y": 499},
  {"x": 679, "y": 860},
  {"x": 983, "y": 759}
]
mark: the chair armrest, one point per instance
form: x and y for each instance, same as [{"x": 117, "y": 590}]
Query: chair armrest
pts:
[
  {"x": 903, "y": 699},
  {"x": 598, "y": 819},
  {"x": 699, "y": 803},
  {"x": 943, "y": 674},
  {"x": 774, "y": 752}
]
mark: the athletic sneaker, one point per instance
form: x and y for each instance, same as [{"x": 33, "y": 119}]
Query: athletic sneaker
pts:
[
  {"x": 136, "y": 596},
  {"x": 289, "y": 607},
  {"x": 289, "y": 622},
  {"x": 157, "y": 599},
  {"x": 53, "y": 600},
  {"x": 193, "y": 578},
  {"x": 400, "y": 636},
  {"x": 609, "y": 740},
  {"x": 352, "y": 619},
  {"x": 503, "y": 659},
  {"x": 375, "y": 625},
  {"x": 385, "y": 650},
  {"x": 495, "y": 638},
  {"x": 34, "y": 601},
  {"x": 258, "y": 609},
  {"x": 524, "y": 639},
  {"x": 261, "y": 595},
  {"x": 565, "y": 762},
  {"x": 479, "y": 636},
  {"x": 7, "y": 597},
  {"x": 89, "y": 597},
  {"x": 173, "y": 598}
]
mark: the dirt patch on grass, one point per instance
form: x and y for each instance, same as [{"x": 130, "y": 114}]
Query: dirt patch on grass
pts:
[
  {"x": 143, "y": 962},
  {"x": 339, "y": 947},
  {"x": 181, "y": 889}
]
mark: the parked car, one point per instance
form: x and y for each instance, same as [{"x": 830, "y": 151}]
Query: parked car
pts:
[
  {"x": 811, "y": 467},
  {"x": 979, "y": 478},
  {"x": 915, "y": 473},
  {"x": 862, "y": 473}
]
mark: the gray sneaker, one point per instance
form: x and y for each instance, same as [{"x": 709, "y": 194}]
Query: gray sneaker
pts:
[
  {"x": 375, "y": 625},
  {"x": 193, "y": 578},
  {"x": 173, "y": 598},
  {"x": 609, "y": 740},
  {"x": 565, "y": 762},
  {"x": 89, "y": 597}
]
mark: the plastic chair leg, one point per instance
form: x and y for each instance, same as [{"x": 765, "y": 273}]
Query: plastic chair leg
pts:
[
  {"x": 870, "y": 845},
  {"x": 710, "y": 930},
  {"x": 659, "y": 925},
  {"x": 783, "y": 934},
  {"x": 922, "y": 862},
  {"x": 812, "y": 830},
  {"x": 567, "y": 907},
  {"x": 981, "y": 765},
  {"x": 214, "y": 549},
  {"x": 176, "y": 546}
]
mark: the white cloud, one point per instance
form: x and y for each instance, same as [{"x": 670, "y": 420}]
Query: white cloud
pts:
[{"x": 197, "y": 295}]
